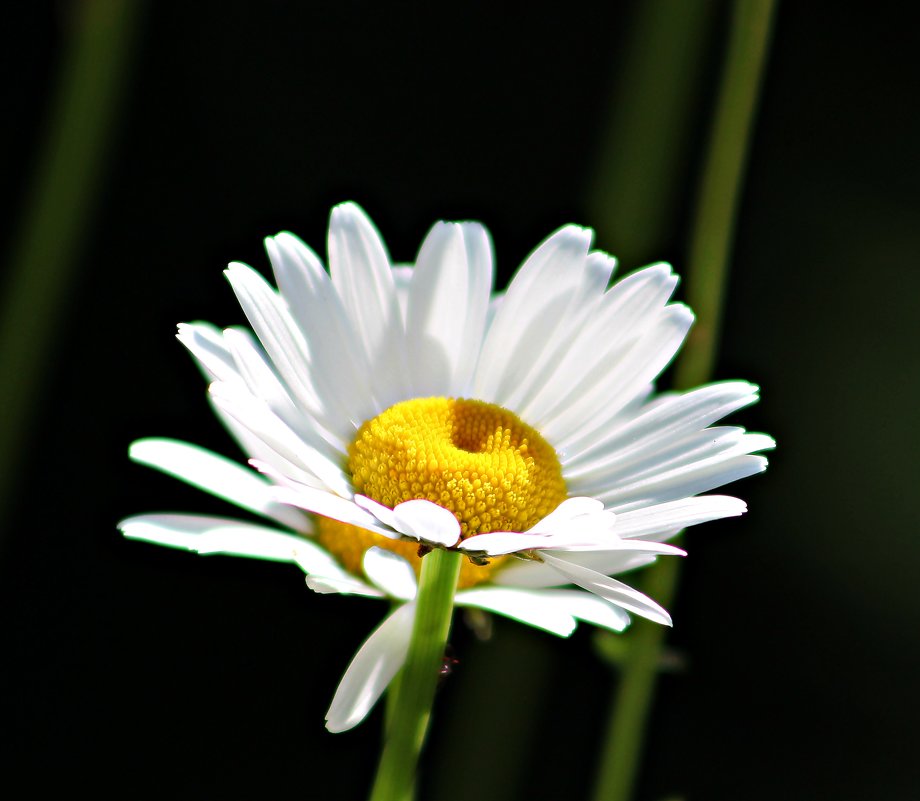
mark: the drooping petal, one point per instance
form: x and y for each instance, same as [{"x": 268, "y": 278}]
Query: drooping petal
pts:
[
  {"x": 609, "y": 588},
  {"x": 341, "y": 585},
  {"x": 589, "y": 607},
  {"x": 391, "y": 573},
  {"x": 526, "y": 573},
  {"x": 372, "y": 669},
  {"x": 528, "y": 606}
]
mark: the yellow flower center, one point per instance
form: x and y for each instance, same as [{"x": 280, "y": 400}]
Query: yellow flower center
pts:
[{"x": 481, "y": 462}]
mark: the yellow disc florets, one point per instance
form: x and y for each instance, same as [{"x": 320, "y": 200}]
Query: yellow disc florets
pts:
[{"x": 493, "y": 471}]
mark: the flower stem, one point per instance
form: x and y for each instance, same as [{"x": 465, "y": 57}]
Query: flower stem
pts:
[
  {"x": 408, "y": 714},
  {"x": 58, "y": 210},
  {"x": 710, "y": 245}
]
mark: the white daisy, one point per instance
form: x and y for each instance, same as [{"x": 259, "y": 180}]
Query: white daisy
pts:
[{"x": 391, "y": 410}]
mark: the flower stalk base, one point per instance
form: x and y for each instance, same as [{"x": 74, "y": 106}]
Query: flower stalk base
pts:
[{"x": 411, "y": 708}]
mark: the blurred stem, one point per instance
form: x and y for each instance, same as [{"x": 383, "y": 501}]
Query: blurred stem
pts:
[
  {"x": 409, "y": 712},
  {"x": 710, "y": 244},
  {"x": 713, "y": 228},
  {"x": 648, "y": 139},
  {"x": 58, "y": 209}
]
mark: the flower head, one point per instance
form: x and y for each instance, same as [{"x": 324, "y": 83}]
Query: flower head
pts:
[{"x": 390, "y": 410}]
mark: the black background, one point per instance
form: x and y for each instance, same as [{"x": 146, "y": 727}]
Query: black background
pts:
[{"x": 136, "y": 672}]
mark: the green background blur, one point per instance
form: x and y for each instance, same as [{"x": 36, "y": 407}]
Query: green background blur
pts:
[{"x": 136, "y": 672}]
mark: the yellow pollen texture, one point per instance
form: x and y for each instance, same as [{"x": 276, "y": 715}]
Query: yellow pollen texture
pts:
[{"x": 493, "y": 471}]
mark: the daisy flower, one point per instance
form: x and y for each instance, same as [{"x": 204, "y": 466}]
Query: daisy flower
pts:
[{"x": 389, "y": 410}]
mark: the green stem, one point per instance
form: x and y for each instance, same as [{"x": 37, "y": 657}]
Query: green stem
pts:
[
  {"x": 58, "y": 210},
  {"x": 713, "y": 228},
  {"x": 710, "y": 245},
  {"x": 409, "y": 713}
]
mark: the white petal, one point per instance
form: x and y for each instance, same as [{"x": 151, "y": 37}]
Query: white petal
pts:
[
  {"x": 213, "y": 535},
  {"x": 652, "y": 520},
  {"x": 427, "y": 522},
  {"x": 216, "y": 475},
  {"x": 324, "y": 503},
  {"x": 523, "y": 573},
  {"x": 317, "y": 561},
  {"x": 447, "y": 305},
  {"x": 347, "y": 585},
  {"x": 567, "y": 510},
  {"x": 590, "y": 608},
  {"x": 598, "y": 344},
  {"x": 614, "y": 591},
  {"x": 497, "y": 543},
  {"x": 256, "y": 416},
  {"x": 595, "y": 405},
  {"x": 383, "y": 513},
  {"x": 391, "y": 573},
  {"x": 282, "y": 339},
  {"x": 402, "y": 280},
  {"x": 206, "y": 344},
  {"x": 668, "y": 418},
  {"x": 362, "y": 276},
  {"x": 683, "y": 482},
  {"x": 589, "y": 538},
  {"x": 262, "y": 381},
  {"x": 537, "y": 295},
  {"x": 372, "y": 669},
  {"x": 528, "y": 606},
  {"x": 709, "y": 446},
  {"x": 561, "y": 333},
  {"x": 339, "y": 366}
]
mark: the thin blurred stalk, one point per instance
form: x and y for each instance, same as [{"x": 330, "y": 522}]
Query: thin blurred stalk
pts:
[
  {"x": 711, "y": 239},
  {"x": 58, "y": 211},
  {"x": 643, "y": 159}
]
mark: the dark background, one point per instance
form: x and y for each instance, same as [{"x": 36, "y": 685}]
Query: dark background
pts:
[{"x": 136, "y": 672}]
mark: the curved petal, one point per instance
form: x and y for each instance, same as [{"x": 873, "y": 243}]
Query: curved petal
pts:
[
  {"x": 528, "y": 606},
  {"x": 526, "y": 573},
  {"x": 427, "y": 522},
  {"x": 589, "y": 607},
  {"x": 391, "y": 573},
  {"x": 612, "y": 590},
  {"x": 372, "y": 669}
]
